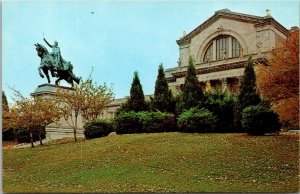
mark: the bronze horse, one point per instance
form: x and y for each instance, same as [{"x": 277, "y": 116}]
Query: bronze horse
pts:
[{"x": 62, "y": 71}]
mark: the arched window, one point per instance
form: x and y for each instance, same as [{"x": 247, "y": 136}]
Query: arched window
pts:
[{"x": 222, "y": 47}]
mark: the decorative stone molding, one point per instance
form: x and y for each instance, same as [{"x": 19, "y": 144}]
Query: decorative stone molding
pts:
[
  {"x": 206, "y": 70},
  {"x": 256, "y": 20}
]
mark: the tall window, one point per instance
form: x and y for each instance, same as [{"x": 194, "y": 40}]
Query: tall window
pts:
[{"x": 222, "y": 47}]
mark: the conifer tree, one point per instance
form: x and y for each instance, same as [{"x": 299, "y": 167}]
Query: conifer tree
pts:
[
  {"x": 4, "y": 102},
  {"x": 192, "y": 92},
  {"x": 136, "y": 102},
  {"x": 248, "y": 94},
  {"x": 162, "y": 100}
]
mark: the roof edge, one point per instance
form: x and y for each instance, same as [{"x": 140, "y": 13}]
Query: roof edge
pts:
[{"x": 226, "y": 13}]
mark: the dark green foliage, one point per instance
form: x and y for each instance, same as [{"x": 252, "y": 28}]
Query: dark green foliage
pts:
[
  {"x": 8, "y": 134},
  {"x": 97, "y": 128},
  {"x": 124, "y": 108},
  {"x": 179, "y": 104},
  {"x": 136, "y": 101},
  {"x": 23, "y": 135},
  {"x": 247, "y": 94},
  {"x": 192, "y": 93},
  {"x": 128, "y": 122},
  {"x": 144, "y": 122},
  {"x": 4, "y": 102},
  {"x": 260, "y": 119},
  {"x": 197, "y": 121},
  {"x": 222, "y": 104},
  {"x": 162, "y": 100},
  {"x": 154, "y": 122}
]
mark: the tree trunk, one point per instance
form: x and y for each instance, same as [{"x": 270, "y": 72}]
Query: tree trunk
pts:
[
  {"x": 31, "y": 139},
  {"x": 75, "y": 127},
  {"x": 40, "y": 137},
  {"x": 75, "y": 135}
]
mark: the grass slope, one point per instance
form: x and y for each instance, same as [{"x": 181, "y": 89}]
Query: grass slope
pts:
[{"x": 166, "y": 162}]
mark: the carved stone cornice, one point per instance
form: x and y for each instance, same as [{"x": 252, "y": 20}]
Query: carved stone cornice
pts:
[{"x": 229, "y": 66}]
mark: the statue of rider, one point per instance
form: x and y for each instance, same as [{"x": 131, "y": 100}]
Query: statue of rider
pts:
[
  {"x": 59, "y": 63},
  {"x": 56, "y": 54}
]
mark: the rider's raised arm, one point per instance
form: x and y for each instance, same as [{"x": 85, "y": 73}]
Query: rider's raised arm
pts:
[{"x": 48, "y": 43}]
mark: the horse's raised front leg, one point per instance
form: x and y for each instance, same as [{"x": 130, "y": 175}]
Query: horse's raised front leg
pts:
[
  {"x": 40, "y": 72},
  {"x": 45, "y": 70}
]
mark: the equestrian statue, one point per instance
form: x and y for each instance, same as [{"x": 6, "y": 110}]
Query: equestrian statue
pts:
[{"x": 54, "y": 63}]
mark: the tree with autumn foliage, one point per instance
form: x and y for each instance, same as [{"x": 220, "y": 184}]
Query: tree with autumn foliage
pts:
[
  {"x": 279, "y": 80},
  {"x": 31, "y": 113},
  {"x": 86, "y": 99}
]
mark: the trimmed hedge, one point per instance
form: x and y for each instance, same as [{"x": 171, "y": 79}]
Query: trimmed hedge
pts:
[
  {"x": 144, "y": 122},
  {"x": 197, "y": 121},
  {"x": 259, "y": 120},
  {"x": 128, "y": 122},
  {"x": 97, "y": 128},
  {"x": 154, "y": 122},
  {"x": 23, "y": 135}
]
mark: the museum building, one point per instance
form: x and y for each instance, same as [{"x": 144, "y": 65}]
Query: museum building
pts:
[{"x": 220, "y": 48}]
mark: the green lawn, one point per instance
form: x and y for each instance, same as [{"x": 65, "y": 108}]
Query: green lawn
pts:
[{"x": 166, "y": 162}]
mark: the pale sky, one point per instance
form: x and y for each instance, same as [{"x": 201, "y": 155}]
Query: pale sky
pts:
[{"x": 119, "y": 38}]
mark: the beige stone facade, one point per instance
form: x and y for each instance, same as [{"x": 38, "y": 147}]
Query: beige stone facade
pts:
[{"x": 221, "y": 46}]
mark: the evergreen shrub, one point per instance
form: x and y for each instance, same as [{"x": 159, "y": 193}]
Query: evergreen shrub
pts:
[
  {"x": 222, "y": 105},
  {"x": 144, "y": 122},
  {"x": 197, "y": 121},
  {"x": 154, "y": 122},
  {"x": 259, "y": 120},
  {"x": 97, "y": 128},
  {"x": 128, "y": 122}
]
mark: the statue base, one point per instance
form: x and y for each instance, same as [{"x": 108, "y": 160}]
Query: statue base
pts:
[
  {"x": 47, "y": 89},
  {"x": 60, "y": 129}
]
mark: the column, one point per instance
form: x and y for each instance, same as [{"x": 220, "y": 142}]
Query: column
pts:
[{"x": 224, "y": 83}]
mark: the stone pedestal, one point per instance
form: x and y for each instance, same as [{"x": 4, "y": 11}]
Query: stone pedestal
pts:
[{"x": 60, "y": 129}]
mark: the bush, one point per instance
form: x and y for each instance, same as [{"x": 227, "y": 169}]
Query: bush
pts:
[
  {"x": 128, "y": 122},
  {"x": 97, "y": 128},
  {"x": 196, "y": 121},
  {"x": 23, "y": 135},
  {"x": 8, "y": 134},
  {"x": 144, "y": 122},
  {"x": 154, "y": 122},
  {"x": 260, "y": 119},
  {"x": 222, "y": 104}
]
